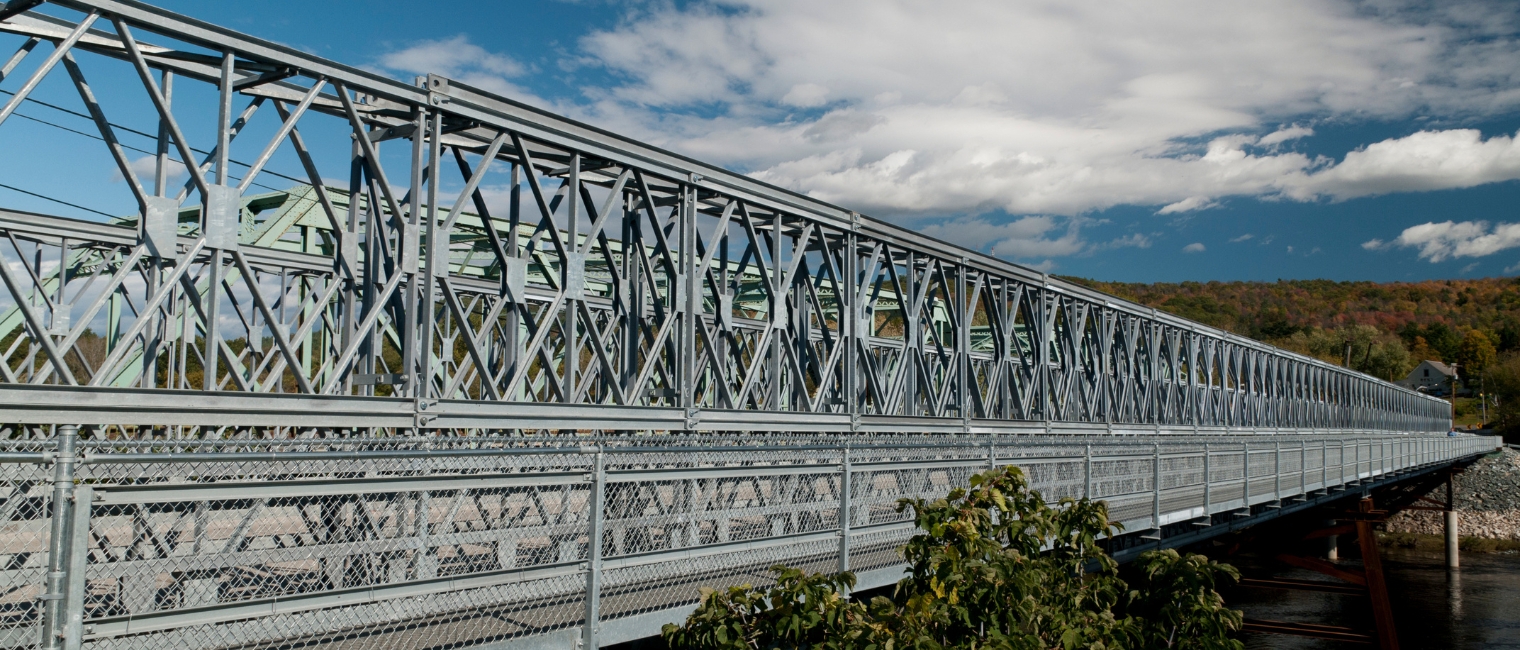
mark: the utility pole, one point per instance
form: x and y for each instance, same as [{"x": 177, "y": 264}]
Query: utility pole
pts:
[
  {"x": 1483, "y": 400},
  {"x": 1454, "y": 396}
]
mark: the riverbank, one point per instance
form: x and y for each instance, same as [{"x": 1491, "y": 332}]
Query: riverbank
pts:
[
  {"x": 1437, "y": 543},
  {"x": 1487, "y": 499}
]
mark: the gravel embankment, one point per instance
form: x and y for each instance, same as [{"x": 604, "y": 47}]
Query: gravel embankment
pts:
[{"x": 1488, "y": 502}]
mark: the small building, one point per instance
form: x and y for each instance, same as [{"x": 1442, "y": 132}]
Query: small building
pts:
[{"x": 1431, "y": 377}]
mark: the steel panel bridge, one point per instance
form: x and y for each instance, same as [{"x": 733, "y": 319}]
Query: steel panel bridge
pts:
[{"x": 518, "y": 381}]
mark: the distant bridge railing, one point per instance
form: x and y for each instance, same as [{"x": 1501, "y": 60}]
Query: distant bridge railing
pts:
[{"x": 601, "y": 284}]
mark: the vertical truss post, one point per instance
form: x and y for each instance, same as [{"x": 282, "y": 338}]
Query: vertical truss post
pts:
[
  {"x": 53, "y": 613},
  {"x": 1156, "y": 485},
  {"x": 592, "y": 631},
  {"x": 572, "y": 282},
  {"x": 427, "y": 558},
  {"x": 1341, "y": 463},
  {"x": 512, "y": 345},
  {"x": 212, "y": 302},
  {"x": 155, "y": 266},
  {"x": 964, "y": 386},
  {"x": 691, "y": 307},
  {"x": 633, "y": 303},
  {"x": 224, "y": 120},
  {"x": 1277, "y": 471},
  {"x": 1208, "y": 482},
  {"x": 1087, "y": 471},
  {"x": 78, "y": 555},
  {"x": 408, "y": 243},
  {"x": 1046, "y": 330},
  {"x": 1303, "y": 467},
  {"x": 1245, "y": 474},
  {"x": 778, "y": 305},
  {"x": 850, "y": 311},
  {"x": 437, "y": 267},
  {"x": 148, "y": 377},
  {"x": 363, "y": 277},
  {"x": 908, "y": 308},
  {"x": 213, "y": 228},
  {"x": 1356, "y": 467},
  {"x": 844, "y": 509},
  {"x": 1324, "y": 466}
]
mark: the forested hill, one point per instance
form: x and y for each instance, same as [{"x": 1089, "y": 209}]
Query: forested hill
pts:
[{"x": 1429, "y": 319}]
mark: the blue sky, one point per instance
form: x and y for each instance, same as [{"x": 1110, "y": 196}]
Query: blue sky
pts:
[{"x": 1175, "y": 140}]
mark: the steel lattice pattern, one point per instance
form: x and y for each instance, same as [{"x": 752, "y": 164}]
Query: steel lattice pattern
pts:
[
  {"x": 380, "y": 543},
  {"x": 258, "y": 407},
  {"x": 668, "y": 294}
]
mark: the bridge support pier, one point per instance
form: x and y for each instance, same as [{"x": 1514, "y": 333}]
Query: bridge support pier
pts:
[
  {"x": 1453, "y": 529},
  {"x": 1451, "y": 539},
  {"x": 1332, "y": 543}
]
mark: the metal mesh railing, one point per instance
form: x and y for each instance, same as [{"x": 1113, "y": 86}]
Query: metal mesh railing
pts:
[
  {"x": 465, "y": 542},
  {"x": 26, "y": 490}
]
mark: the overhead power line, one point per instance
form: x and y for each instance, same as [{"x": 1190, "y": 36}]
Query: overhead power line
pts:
[
  {"x": 59, "y": 201},
  {"x": 136, "y": 132}
]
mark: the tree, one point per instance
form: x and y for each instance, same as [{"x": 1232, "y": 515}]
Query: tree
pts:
[
  {"x": 1475, "y": 354},
  {"x": 1502, "y": 382},
  {"x": 994, "y": 566},
  {"x": 1509, "y": 336},
  {"x": 1421, "y": 351},
  {"x": 1444, "y": 340},
  {"x": 1179, "y": 602},
  {"x": 1372, "y": 351}
]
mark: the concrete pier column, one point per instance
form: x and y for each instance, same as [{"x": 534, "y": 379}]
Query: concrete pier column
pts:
[
  {"x": 1451, "y": 539},
  {"x": 1332, "y": 543},
  {"x": 1452, "y": 529}
]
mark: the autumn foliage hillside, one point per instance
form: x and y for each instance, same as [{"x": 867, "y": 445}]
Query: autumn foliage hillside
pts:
[
  {"x": 1255, "y": 308},
  {"x": 1391, "y": 326}
]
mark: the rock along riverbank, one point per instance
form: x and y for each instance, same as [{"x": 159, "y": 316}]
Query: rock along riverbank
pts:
[{"x": 1487, "y": 501}]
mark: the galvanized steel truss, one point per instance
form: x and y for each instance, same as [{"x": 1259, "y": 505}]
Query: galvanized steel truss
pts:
[
  {"x": 660, "y": 292},
  {"x": 403, "y": 411}
]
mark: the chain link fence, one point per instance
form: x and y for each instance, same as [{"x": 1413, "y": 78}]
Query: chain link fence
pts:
[{"x": 471, "y": 542}]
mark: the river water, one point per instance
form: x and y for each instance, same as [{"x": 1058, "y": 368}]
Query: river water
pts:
[{"x": 1477, "y": 606}]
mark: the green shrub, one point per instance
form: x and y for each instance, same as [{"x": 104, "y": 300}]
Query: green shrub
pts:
[{"x": 994, "y": 566}]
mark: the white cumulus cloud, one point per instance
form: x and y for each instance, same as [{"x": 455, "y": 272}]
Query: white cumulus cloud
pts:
[
  {"x": 1195, "y": 247},
  {"x": 1049, "y": 107},
  {"x": 1285, "y": 134},
  {"x": 1439, "y": 242},
  {"x": 1046, "y": 110},
  {"x": 806, "y": 95},
  {"x": 1030, "y": 237},
  {"x": 458, "y": 58},
  {"x": 1427, "y": 160},
  {"x": 146, "y": 166},
  {"x": 1188, "y": 204},
  {"x": 1132, "y": 240},
  {"x": 1026, "y": 237}
]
